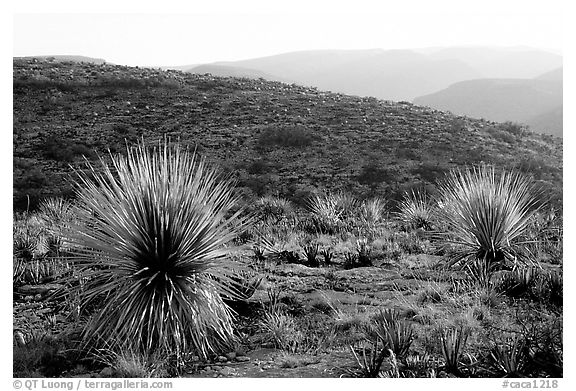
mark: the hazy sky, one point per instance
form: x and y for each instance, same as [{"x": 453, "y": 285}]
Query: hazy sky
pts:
[{"x": 204, "y": 34}]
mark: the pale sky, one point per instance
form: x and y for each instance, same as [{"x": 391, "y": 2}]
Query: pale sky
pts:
[{"x": 124, "y": 35}]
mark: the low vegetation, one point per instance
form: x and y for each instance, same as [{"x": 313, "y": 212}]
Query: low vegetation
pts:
[{"x": 156, "y": 269}]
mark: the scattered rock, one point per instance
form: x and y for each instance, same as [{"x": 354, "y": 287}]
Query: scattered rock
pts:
[{"x": 222, "y": 359}]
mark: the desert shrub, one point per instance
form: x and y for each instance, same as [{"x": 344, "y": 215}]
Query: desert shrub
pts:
[
  {"x": 536, "y": 166},
  {"x": 501, "y": 135},
  {"x": 134, "y": 364},
  {"x": 287, "y": 136},
  {"x": 63, "y": 150},
  {"x": 457, "y": 125},
  {"x": 372, "y": 174},
  {"x": 513, "y": 128},
  {"x": 43, "y": 355},
  {"x": 274, "y": 209},
  {"x": 486, "y": 214},
  {"x": 429, "y": 172},
  {"x": 153, "y": 225}
]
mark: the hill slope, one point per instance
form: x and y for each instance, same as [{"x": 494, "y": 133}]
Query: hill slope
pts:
[
  {"x": 518, "y": 100},
  {"x": 271, "y": 137},
  {"x": 65, "y": 58}
]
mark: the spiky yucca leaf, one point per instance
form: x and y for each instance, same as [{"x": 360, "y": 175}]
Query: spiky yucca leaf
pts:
[
  {"x": 153, "y": 225},
  {"x": 486, "y": 213}
]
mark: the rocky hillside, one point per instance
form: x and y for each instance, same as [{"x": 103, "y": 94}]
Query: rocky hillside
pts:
[{"x": 272, "y": 137}]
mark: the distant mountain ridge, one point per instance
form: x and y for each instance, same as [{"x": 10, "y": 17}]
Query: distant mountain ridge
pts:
[
  {"x": 536, "y": 102},
  {"x": 393, "y": 74}
]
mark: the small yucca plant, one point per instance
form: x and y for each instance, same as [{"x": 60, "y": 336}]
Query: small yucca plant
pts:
[
  {"x": 416, "y": 211},
  {"x": 372, "y": 211},
  {"x": 153, "y": 226},
  {"x": 396, "y": 334},
  {"x": 273, "y": 209},
  {"x": 30, "y": 237},
  {"x": 511, "y": 358},
  {"x": 453, "y": 341},
  {"x": 56, "y": 211},
  {"x": 327, "y": 213},
  {"x": 486, "y": 214}
]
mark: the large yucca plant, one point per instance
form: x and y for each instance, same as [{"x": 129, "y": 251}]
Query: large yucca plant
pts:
[
  {"x": 154, "y": 225},
  {"x": 486, "y": 214}
]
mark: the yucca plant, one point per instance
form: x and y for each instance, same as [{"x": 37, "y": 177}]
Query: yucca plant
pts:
[
  {"x": 480, "y": 271},
  {"x": 364, "y": 252},
  {"x": 327, "y": 213},
  {"x": 346, "y": 203},
  {"x": 372, "y": 212},
  {"x": 511, "y": 358},
  {"x": 57, "y": 213},
  {"x": 453, "y": 341},
  {"x": 273, "y": 209},
  {"x": 486, "y": 214},
  {"x": 153, "y": 226},
  {"x": 371, "y": 360},
  {"x": 327, "y": 254},
  {"x": 416, "y": 211},
  {"x": 311, "y": 251},
  {"x": 396, "y": 334},
  {"x": 30, "y": 238}
]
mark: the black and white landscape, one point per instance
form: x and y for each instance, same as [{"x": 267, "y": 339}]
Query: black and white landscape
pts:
[{"x": 329, "y": 212}]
